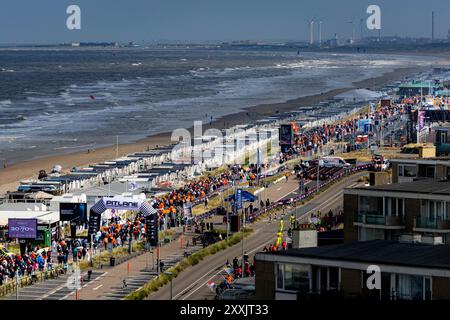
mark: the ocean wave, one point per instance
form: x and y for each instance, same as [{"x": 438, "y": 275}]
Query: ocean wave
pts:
[
  {"x": 74, "y": 147},
  {"x": 5, "y": 103}
]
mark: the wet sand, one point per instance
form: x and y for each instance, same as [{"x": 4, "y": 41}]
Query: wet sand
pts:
[{"x": 10, "y": 176}]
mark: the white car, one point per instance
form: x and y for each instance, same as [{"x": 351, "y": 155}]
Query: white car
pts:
[{"x": 330, "y": 162}]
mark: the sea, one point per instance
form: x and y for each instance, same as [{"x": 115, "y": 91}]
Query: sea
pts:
[{"x": 61, "y": 100}]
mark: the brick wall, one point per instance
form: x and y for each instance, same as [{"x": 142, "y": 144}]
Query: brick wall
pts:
[
  {"x": 350, "y": 211},
  {"x": 265, "y": 280},
  {"x": 412, "y": 210},
  {"x": 441, "y": 288},
  {"x": 350, "y": 282},
  {"x": 394, "y": 172}
]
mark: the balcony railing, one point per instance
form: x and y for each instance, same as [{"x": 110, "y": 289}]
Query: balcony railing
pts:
[
  {"x": 380, "y": 220},
  {"x": 426, "y": 223}
]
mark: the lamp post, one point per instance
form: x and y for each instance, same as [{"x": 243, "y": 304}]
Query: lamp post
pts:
[
  {"x": 169, "y": 274},
  {"x": 318, "y": 174}
]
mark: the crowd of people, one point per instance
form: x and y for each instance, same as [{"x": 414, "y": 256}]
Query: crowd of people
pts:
[
  {"x": 235, "y": 270},
  {"x": 35, "y": 259},
  {"x": 313, "y": 139},
  {"x": 170, "y": 206},
  {"x": 326, "y": 221}
]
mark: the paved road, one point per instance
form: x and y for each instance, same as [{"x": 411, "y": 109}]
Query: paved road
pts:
[
  {"x": 191, "y": 284},
  {"x": 108, "y": 283}
]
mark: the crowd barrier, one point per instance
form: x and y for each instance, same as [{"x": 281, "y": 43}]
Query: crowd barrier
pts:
[{"x": 27, "y": 280}]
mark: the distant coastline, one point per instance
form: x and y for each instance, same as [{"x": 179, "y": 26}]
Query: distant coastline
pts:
[{"x": 10, "y": 176}]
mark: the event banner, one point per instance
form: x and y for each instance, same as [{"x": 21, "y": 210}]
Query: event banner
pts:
[
  {"x": 286, "y": 134},
  {"x": 94, "y": 222},
  {"x": 22, "y": 228},
  {"x": 365, "y": 125},
  {"x": 122, "y": 203},
  {"x": 421, "y": 120},
  {"x": 239, "y": 198},
  {"x": 151, "y": 223},
  {"x": 73, "y": 211}
]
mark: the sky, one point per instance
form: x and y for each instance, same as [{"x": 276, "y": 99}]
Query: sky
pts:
[{"x": 44, "y": 21}]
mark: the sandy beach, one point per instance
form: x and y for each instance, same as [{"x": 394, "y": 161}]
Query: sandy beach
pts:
[{"x": 10, "y": 176}]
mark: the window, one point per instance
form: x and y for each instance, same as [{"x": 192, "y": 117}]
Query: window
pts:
[
  {"x": 447, "y": 211},
  {"x": 293, "y": 277},
  {"x": 442, "y": 137},
  {"x": 394, "y": 207},
  {"x": 280, "y": 277},
  {"x": 334, "y": 278},
  {"x": 401, "y": 207},
  {"x": 427, "y": 288},
  {"x": 371, "y": 205},
  {"x": 411, "y": 287},
  {"x": 433, "y": 210},
  {"x": 407, "y": 171},
  {"x": 429, "y": 172}
]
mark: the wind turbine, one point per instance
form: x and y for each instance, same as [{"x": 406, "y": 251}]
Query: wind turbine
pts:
[
  {"x": 353, "y": 31},
  {"x": 311, "y": 30},
  {"x": 320, "y": 32},
  {"x": 319, "y": 21},
  {"x": 361, "y": 23}
]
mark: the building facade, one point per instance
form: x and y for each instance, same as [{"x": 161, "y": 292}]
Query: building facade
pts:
[
  {"x": 387, "y": 211},
  {"x": 407, "y": 170},
  {"x": 406, "y": 271}
]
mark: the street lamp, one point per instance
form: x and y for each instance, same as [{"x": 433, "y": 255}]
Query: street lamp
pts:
[{"x": 169, "y": 274}]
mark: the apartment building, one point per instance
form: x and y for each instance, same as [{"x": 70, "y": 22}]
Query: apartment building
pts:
[
  {"x": 407, "y": 170},
  {"x": 387, "y": 211},
  {"x": 407, "y": 271}
]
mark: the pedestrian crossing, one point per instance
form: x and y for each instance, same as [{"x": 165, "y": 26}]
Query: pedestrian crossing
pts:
[{"x": 52, "y": 289}]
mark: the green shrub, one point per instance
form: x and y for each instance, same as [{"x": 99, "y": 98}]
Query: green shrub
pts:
[{"x": 161, "y": 280}]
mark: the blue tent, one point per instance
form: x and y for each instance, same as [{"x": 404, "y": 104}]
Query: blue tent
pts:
[{"x": 246, "y": 197}]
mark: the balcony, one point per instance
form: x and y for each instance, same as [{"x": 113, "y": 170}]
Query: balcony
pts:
[
  {"x": 381, "y": 221},
  {"x": 433, "y": 224}
]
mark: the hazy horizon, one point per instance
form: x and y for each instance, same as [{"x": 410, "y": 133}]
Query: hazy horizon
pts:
[{"x": 200, "y": 21}]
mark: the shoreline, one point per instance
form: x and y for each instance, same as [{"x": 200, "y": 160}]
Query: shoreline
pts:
[{"x": 11, "y": 175}]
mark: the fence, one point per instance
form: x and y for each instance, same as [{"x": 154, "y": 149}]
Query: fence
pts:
[
  {"x": 24, "y": 281},
  {"x": 313, "y": 190}
]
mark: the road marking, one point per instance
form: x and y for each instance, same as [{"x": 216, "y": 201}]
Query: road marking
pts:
[
  {"x": 65, "y": 285},
  {"x": 279, "y": 189},
  {"x": 98, "y": 287},
  {"x": 188, "y": 289},
  {"x": 321, "y": 205},
  {"x": 192, "y": 285},
  {"x": 296, "y": 188},
  {"x": 215, "y": 275}
]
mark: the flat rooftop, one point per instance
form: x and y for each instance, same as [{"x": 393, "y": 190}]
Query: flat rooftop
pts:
[
  {"x": 413, "y": 158},
  {"x": 379, "y": 251},
  {"x": 424, "y": 186}
]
